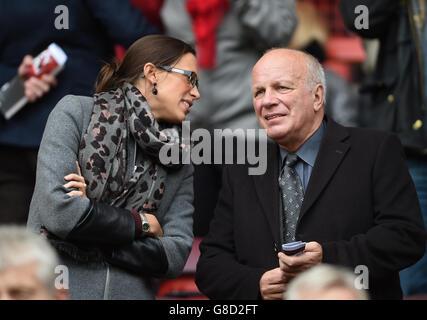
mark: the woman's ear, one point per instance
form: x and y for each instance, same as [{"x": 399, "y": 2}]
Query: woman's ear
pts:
[{"x": 149, "y": 72}]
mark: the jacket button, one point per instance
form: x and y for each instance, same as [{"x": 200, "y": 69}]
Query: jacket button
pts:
[
  {"x": 275, "y": 247},
  {"x": 390, "y": 98},
  {"x": 417, "y": 125}
]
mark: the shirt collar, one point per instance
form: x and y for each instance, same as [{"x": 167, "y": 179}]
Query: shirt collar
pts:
[{"x": 308, "y": 151}]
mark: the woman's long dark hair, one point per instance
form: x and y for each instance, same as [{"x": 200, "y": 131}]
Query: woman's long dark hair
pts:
[{"x": 157, "y": 49}]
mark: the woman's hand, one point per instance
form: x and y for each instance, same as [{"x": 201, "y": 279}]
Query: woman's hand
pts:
[
  {"x": 155, "y": 228},
  {"x": 76, "y": 181}
]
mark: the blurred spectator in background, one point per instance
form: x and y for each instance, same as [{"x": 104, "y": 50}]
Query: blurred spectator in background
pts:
[
  {"x": 325, "y": 282},
  {"x": 230, "y": 36},
  {"x": 27, "y": 266},
  {"x": 311, "y": 36},
  {"x": 27, "y": 28},
  {"x": 151, "y": 10},
  {"x": 393, "y": 98}
]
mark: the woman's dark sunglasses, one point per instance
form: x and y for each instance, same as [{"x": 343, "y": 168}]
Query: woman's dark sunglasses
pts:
[{"x": 191, "y": 76}]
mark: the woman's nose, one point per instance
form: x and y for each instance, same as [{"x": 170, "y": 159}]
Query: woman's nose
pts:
[{"x": 195, "y": 93}]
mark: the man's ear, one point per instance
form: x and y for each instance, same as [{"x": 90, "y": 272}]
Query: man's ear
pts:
[
  {"x": 319, "y": 97},
  {"x": 150, "y": 72}
]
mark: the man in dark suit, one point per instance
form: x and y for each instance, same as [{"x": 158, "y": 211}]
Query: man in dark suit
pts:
[{"x": 352, "y": 198}]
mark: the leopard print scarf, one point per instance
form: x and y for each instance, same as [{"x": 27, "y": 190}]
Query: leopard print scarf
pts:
[{"x": 105, "y": 149}]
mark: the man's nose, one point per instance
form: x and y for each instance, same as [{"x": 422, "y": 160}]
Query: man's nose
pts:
[{"x": 269, "y": 99}]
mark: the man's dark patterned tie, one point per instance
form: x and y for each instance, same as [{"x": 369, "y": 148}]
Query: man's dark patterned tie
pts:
[{"x": 292, "y": 197}]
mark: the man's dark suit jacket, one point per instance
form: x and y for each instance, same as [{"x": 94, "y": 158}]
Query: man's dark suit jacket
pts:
[{"x": 360, "y": 205}]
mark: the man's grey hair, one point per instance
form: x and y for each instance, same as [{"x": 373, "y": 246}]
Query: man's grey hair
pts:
[
  {"x": 323, "y": 277},
  {"x": 19, "y": 246},
  {"x": 315, "y": 72}
]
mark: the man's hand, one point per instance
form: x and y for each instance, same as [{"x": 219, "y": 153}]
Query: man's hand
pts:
[
  {"x": 272, "y": 285},
  {"x": 34, "y": 88},
  {"x": 293, "y": 265}
]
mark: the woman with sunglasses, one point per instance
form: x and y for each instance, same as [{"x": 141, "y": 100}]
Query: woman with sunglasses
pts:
[{"x": 117, "y": 213}]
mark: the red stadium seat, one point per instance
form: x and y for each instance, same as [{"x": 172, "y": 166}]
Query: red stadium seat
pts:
[{"x": 341, "y": 53}]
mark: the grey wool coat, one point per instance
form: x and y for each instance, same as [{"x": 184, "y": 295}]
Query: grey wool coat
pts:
[{"x": 52, "y": 208}]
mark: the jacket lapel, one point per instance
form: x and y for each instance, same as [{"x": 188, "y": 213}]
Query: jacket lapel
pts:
[
  {"x": 267, "y": 189},
  {"x": 331, "y": 152}
]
